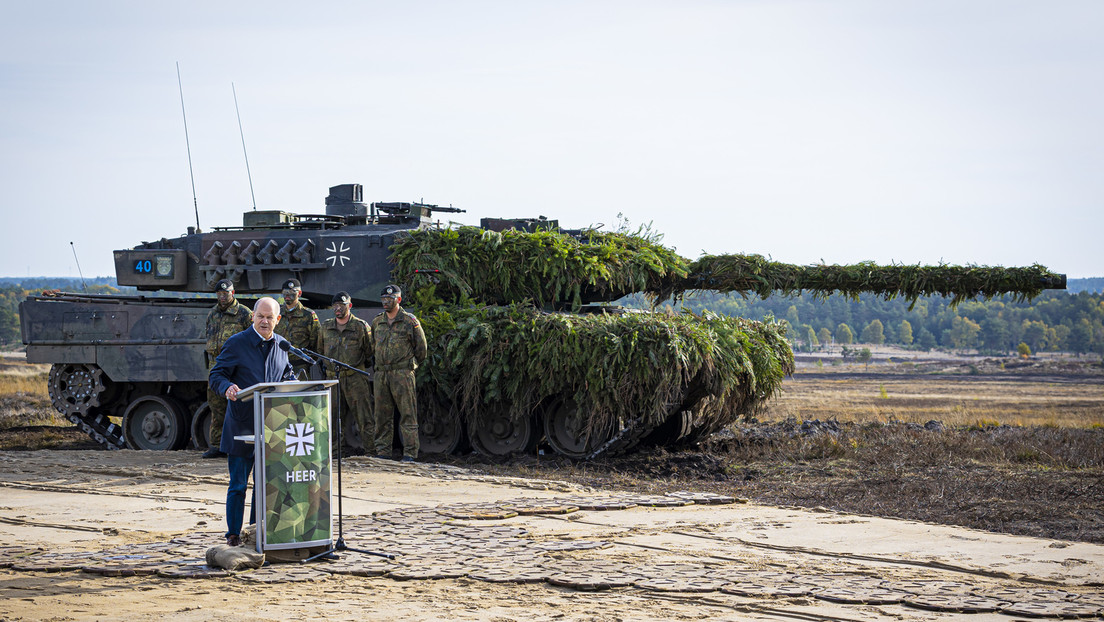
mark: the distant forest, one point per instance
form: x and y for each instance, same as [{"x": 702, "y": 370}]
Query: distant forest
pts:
[
  {"x": 1054, "y": 322},
  {"x": 1094, "y": 285},
  {"x": 1057, "y": 321}
]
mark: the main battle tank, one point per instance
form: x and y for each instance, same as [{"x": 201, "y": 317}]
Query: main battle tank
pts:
[{"x": 519, "y": 351}]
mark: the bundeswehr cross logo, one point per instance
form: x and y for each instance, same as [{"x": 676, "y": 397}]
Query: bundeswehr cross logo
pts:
[{"x": 300, "y": 439}]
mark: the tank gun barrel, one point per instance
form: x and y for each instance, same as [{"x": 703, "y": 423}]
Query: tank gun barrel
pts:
[
  {"x": 759, "y": 275},
  {"x": 561, "y": 269}
]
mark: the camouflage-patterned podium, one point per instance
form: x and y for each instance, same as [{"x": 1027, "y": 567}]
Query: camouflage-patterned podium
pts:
[{"x": 292, "y": 459}]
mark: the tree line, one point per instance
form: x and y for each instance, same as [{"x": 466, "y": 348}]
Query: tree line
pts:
[{"x": 1055, "y": 321}]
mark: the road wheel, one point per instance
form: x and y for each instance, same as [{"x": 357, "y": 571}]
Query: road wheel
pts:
[
  {"x": 500, "y": 434},
  {"x": 201, "y": 427},
  {"x": 440, "y": 430},
  {"x": 155, "y": 422},
  {"x": 571, "y": 433}
]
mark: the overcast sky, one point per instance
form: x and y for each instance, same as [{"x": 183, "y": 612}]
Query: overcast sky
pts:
[{"x": 913, "y": 132}]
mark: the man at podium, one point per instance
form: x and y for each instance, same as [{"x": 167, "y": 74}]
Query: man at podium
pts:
[{"x": 247, "y": 358}]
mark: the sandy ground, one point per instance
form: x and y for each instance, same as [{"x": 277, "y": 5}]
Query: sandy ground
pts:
[{"x": 71, "y": 501}]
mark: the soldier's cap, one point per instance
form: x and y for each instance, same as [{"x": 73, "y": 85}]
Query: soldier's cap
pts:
[
  {"x": 292, "y": 284},
  {"x": 341, "y": 298},
  {"x": 391, "y": 290},
  {"x": 224, "y": 285}
]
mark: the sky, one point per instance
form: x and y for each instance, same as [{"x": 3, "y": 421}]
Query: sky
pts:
[{"x": 914, "y": 132}]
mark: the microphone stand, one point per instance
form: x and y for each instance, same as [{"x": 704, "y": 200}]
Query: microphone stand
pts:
[{"x": 339, "y": 545}]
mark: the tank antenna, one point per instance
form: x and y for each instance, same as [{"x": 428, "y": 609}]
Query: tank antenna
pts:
[
  {"x": 246, "y": 153},
  {"x": 188, "y": 143},
  {"x": 84, "y": 286}
]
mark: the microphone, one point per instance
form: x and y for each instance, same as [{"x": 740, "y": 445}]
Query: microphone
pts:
[{"x": 287, "y": 347}]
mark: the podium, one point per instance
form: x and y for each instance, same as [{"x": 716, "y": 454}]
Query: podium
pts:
[{"x": 292, "y": 457}]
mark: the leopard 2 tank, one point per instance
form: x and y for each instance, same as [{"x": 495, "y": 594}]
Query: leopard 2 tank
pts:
[{"x": 520, "y": 357}]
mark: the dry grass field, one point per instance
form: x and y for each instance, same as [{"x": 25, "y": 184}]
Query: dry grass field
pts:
[
  {"x": 27, "y": 419},
  {"x": 23, "y": 396},
  {"x": 952, "y": 400}
]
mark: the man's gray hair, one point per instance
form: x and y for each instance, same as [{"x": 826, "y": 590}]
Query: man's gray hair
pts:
[{"x": 257, "y": 305}]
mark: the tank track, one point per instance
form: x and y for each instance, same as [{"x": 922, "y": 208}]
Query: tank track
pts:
[
  {"x": 100, "y": 429},
  {"x": 624, "y": 440},
  {"x": 637, "y": 432}
]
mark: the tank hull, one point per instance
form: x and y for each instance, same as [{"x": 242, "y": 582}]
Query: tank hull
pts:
[
  {"x": 128, "y": 370},
  {"x": 131, "y": 372}
]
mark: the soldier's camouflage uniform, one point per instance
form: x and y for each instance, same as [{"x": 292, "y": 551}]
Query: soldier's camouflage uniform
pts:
[
  {"x": 400, "y": 345},
  {"x": 300, "y": 326},
  {"x": 221, "y": 325},
  {"x": 352, "y": 344}
]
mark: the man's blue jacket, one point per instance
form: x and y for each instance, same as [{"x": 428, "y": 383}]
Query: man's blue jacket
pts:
[{"x": 245, "y": 360}]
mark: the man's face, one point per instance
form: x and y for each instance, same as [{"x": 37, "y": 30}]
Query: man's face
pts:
[
  {"x": 265, "y": 317},
  {"x": 341, "y": 311},
  {"x": 291, "y": 296},
  {"x": 390, "y": 303},
  {"x": 225, "y": 297}
]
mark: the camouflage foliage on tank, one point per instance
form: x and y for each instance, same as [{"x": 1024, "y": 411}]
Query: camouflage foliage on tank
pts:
[
  {"x": 629, "y": 368},
  {"x": 619, "y": 376},
  {"x": 545, "y": 267},
  {"x": 759, "y": 275},
  {"x": 562, "y": 269}
]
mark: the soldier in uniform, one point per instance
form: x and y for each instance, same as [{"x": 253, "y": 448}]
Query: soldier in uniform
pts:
[
  {"x": 298, "y": 324},
  {"x": 348, "y": 339},
  {"x": 400, "y": 345},
  {"x": 227, "y": 318}
]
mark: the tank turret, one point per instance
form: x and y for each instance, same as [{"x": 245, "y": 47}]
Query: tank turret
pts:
[{"x": 344, "y": 249}]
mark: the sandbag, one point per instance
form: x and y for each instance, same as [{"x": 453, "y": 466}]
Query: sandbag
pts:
[{"x": 234, "y": 557}]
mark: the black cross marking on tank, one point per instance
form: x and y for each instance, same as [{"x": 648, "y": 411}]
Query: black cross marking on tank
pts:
[{"x": 333, "y": 259}]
